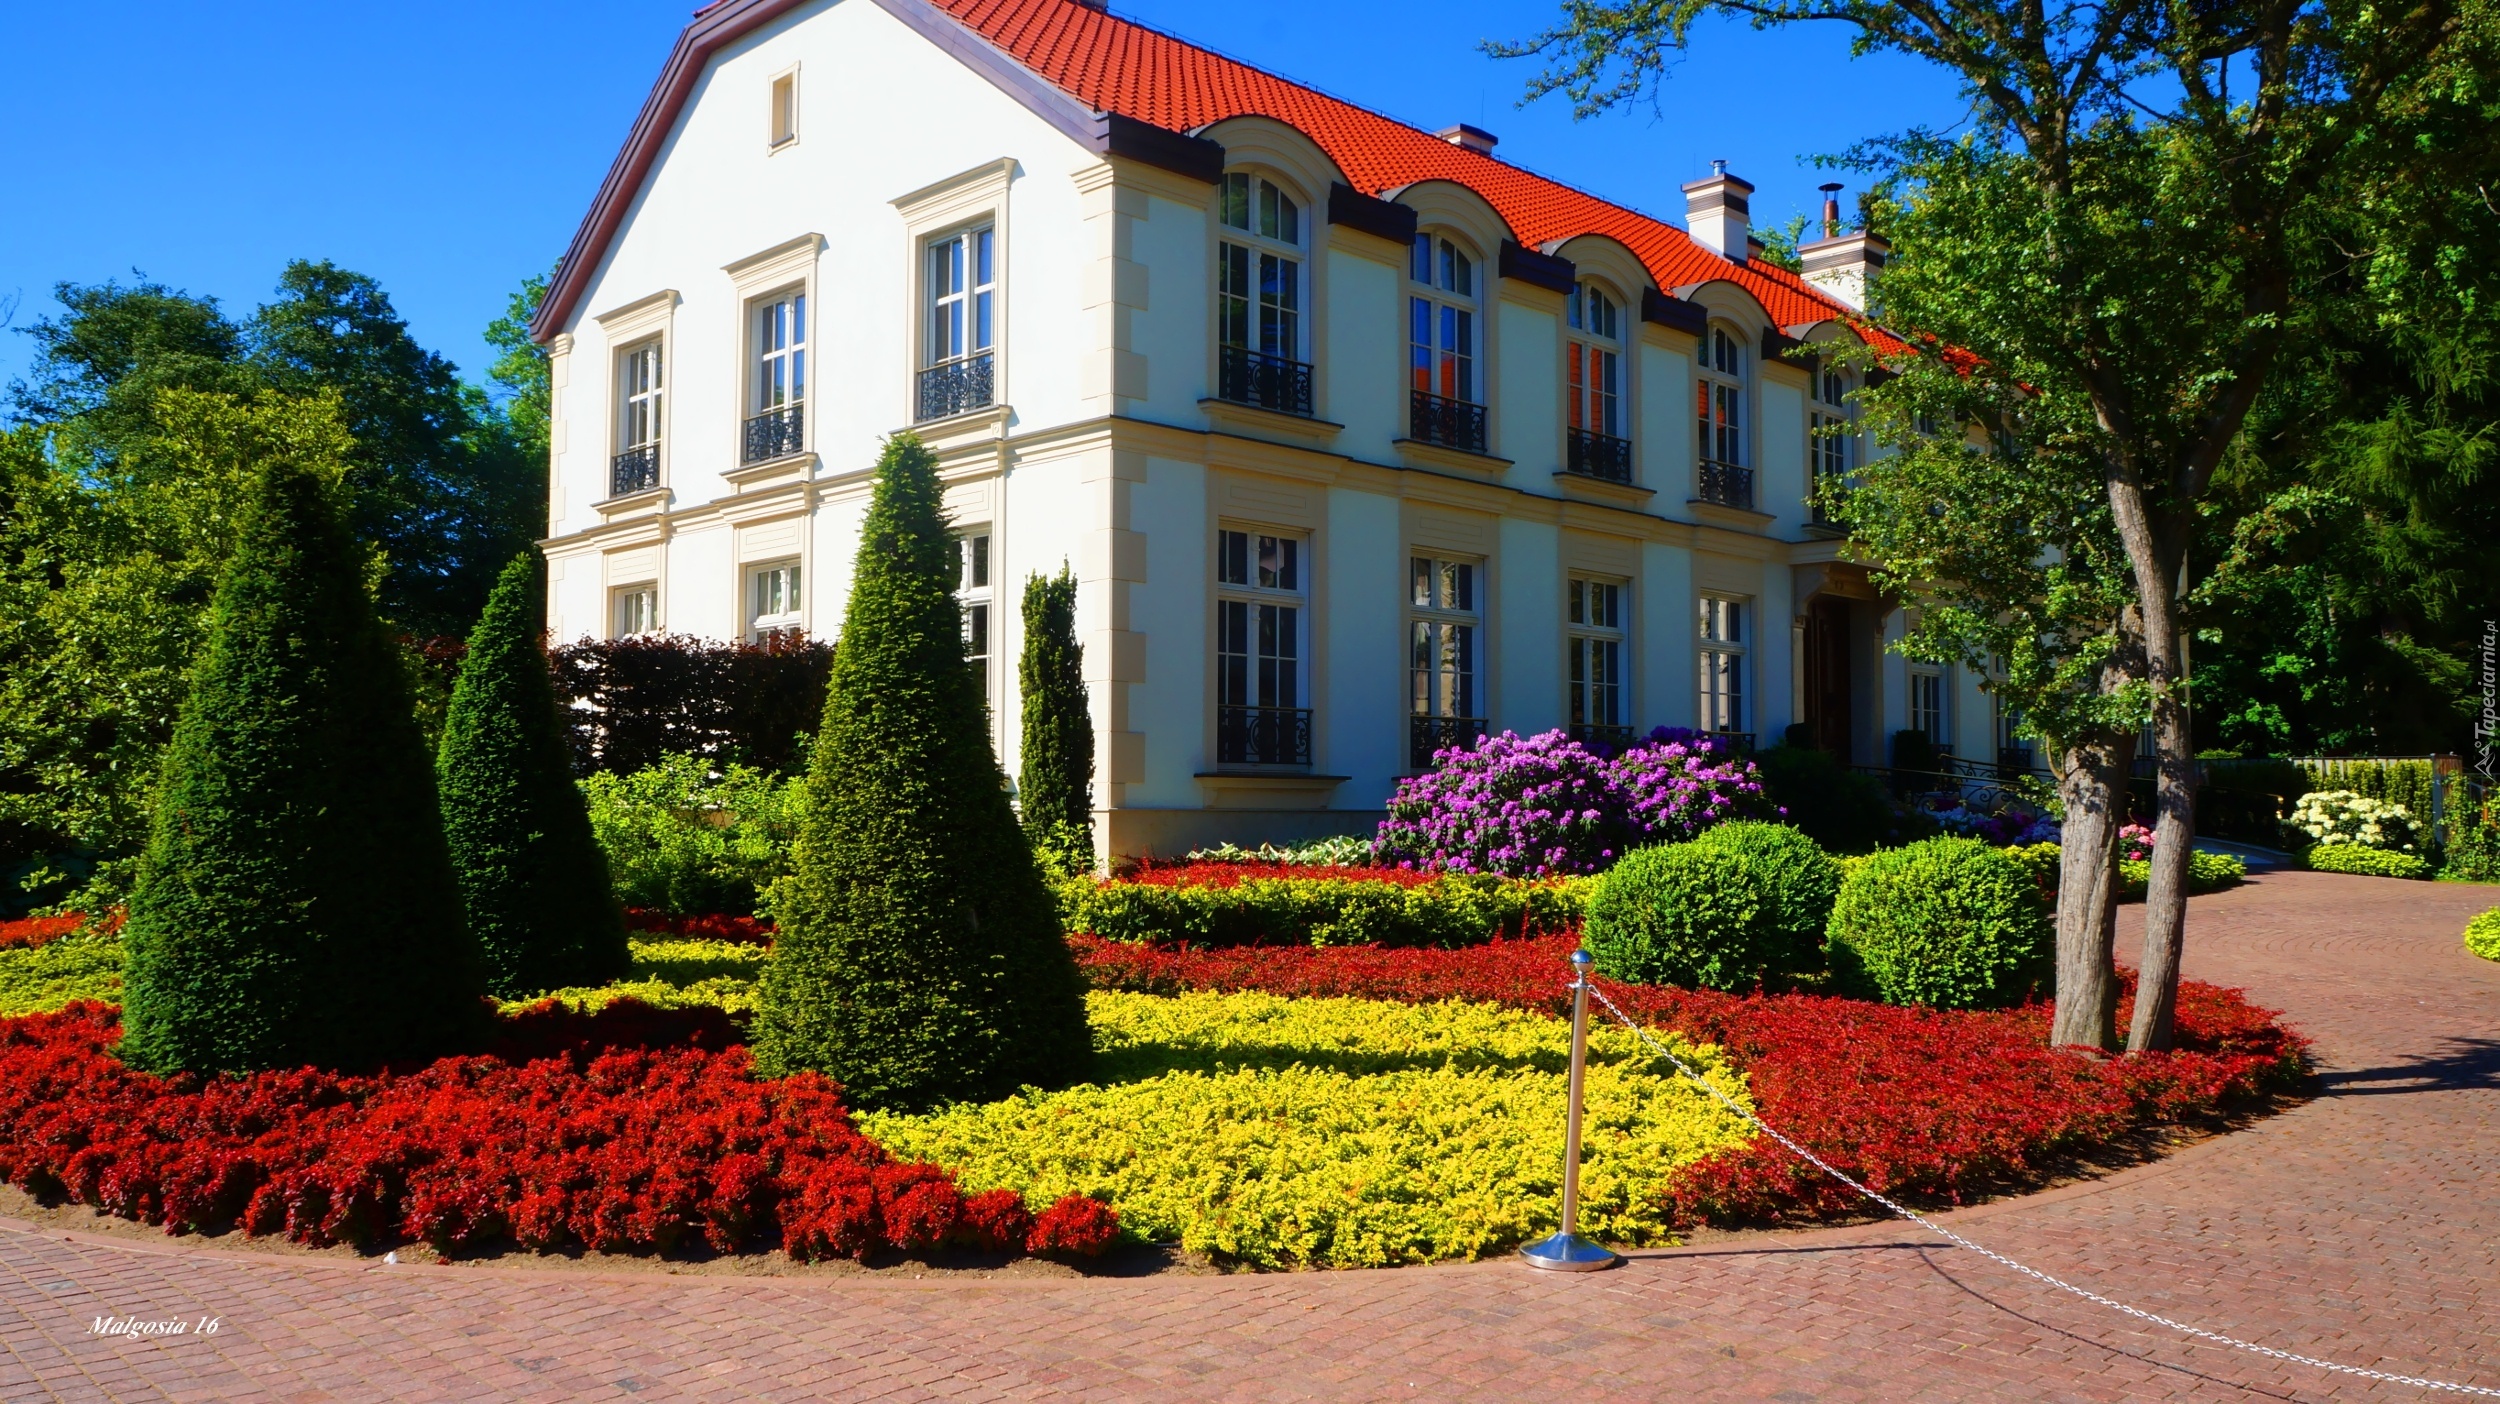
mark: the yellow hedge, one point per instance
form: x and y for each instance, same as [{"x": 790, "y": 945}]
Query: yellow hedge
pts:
[
  {"x": 673, "y": 974},
  {"x": 1337, "y": 1132}
]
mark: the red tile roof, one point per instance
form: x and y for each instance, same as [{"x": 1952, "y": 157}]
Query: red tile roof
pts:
[{"x": 1117, "y": 65}]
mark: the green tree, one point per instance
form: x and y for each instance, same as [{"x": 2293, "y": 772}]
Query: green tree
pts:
[
  {"x": 2159, "y": 174},
  {"x": 521, "y": 373},
  {"x": 532, "y": 878},
  {"x": 296, "y": 903},
  {"x": 1056, "y": 786},
  {"x": 919, "y": 958}
]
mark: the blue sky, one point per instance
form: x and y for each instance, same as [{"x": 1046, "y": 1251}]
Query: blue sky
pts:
[{"x": 449, "y": 149}]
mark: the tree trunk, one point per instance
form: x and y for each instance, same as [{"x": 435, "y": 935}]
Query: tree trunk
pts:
[
  {"x": 2091, "y": 786},
  {"x": 2174, "y": 840}
]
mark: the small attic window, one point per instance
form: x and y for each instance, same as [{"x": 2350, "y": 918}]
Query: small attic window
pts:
[{"x": 786, "y": 109}]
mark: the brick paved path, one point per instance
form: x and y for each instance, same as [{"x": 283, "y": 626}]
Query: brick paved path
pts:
[{"x": 2360, "y": 1227}]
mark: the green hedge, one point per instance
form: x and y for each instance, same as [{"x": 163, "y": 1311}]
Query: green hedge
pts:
[
  {"x": 2482, "y": 935},
  {"x": 2207, "y": 872},
  {"x": 1951, "y": 923},
  {"x": 1458, "y": 910},
  {"x": 1689, "y": 914},
  {"x": 2367, "y": 862},
  {"x": 680, "y": 838},
  {"x": 1803, "y": 878}
]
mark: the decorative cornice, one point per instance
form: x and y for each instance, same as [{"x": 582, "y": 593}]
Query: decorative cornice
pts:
[
  {"x": 1537, "y": 269},
  {"x": 1356, "y": 210}
]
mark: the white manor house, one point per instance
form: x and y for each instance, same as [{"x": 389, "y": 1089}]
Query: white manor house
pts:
[{"x": 1358, "y": 439}]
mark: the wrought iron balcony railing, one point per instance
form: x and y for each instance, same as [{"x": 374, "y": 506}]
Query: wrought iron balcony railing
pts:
[
  {"x": 955, "y": 387},
  {"x": 1601, "y": 734},
  {"x": 637, "y": 469},
  {"x": 1726, "y": 484},
  {"x": 1438, "y": 420},
  {"x": 1740, "y": 742},
  {"x": 1596, "y": 455},
  {"x": 1248, "y": 377},
  {"x": 1262, "y": 735},
  {"x": 774, "y": 434},
  {"x": 1425, "y": 735}
]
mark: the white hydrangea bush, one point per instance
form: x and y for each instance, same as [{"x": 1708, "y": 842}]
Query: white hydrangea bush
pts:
[{"x": 2342, "y": 816}]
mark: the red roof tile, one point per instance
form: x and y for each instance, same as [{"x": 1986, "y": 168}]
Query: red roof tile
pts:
[{"x": 1117, "y": 65}]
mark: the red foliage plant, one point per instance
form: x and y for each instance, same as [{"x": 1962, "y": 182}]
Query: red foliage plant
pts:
[
  {"x": 626, "y": 1130},
  {"x": 26, "y": 933},
  {"x": 1149, "y": 873},
  {"x": 708, "y": 926},
  {"x": 1933, "y": 1105}
]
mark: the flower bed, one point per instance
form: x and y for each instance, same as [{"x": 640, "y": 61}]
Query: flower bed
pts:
[
  {"x": 1339, "y": 1132},
  {"x": 630, "y": 1130},
  {"x": 48, "y": 976},
  {"x": 1935, "y": 1105},
  {"x": 1231, "y": 906},
  {"x": 702, "y": 926},
  {"x": 678, "y": 974},
  {"x": 2364, "y": 861}
]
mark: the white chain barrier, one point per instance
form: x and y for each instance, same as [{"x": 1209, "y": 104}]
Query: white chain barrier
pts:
[{"x": 1905, "y": 1212}]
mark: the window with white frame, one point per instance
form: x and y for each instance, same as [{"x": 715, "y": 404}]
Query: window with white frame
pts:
[
  {"x": 1593, "y": 386},
  {"x": 635, "y": 467},
  {"x": 1443, "y": 404},
  {"x": 1723, "y": 649},
  {"x": 974, "y": 592},
  {"x": 777, "y": 374},
  {"x": 960, "y": 285},
  {"x": 1927, "y": 708},
  {"x": 1593, "y": 635},
  {"x": 1719, "y": 390},
  {"x": 1259, "y": 295},
  {"x": 1827, "y": 446},
  {"x": 773, "y": 600},
  {"x": 1445, "y": 624},
  {"x": 633, "y": 609},
  {"x": 785, "y": 109},
  {"x": 1261, "y": 718}
]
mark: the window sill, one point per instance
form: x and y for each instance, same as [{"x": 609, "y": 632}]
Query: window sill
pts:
[
  {"x": 973, "y": 426},
  {"x": 1267, "y": 789},
  {"x": 632, "y": 502},
  {"x": 1423, "y": 453},
  {"x": 1254, "y": 422},
  {"x": 1582, "y": 487},
  {"x": 1734, "y": 518},
  {"x": 763, "y": 471}
]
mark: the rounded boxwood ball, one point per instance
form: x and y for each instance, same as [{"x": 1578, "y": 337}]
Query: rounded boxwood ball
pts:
[
  {"x": 1804, "y": 883},
  {"x": 1950, "y": 923},
  {"x": 1685, "y": 914}
]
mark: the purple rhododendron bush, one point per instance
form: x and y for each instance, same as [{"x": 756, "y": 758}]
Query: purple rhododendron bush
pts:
[{"x": 1542, "y": 805}]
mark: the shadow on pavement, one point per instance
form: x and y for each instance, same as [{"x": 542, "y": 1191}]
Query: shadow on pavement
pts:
[{"x": 2461, "y": 1065}]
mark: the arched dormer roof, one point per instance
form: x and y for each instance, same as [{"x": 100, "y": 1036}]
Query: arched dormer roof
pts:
[{"x": 1088, "y": 71}]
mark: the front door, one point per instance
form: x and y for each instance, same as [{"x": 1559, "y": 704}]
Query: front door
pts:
[{"x": 1827, "y": 675}]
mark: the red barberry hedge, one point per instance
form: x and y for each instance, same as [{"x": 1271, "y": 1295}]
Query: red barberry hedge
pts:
[
  {"x": 1930, "y": 1104},
  {"x": 626, "y": 1130},
  {"x": 708, "y": 926}
]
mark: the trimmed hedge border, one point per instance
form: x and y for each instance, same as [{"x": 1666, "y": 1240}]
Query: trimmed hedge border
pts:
[
  {"x": 2365, "y": 862},
  {"x": 2482, "y": 935},
  {"x": 1233, "y": 909}
]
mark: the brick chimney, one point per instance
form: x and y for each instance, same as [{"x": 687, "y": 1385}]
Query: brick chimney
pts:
[
  {"x": 1715, "y": 213},
  {"x": 1843, "y": 266}
]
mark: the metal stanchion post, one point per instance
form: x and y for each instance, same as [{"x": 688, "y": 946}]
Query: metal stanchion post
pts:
[{"x": 1565, "y": 1250}]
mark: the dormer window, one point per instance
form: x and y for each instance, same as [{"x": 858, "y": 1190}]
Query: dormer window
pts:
[
  {"x": 1443, "y": 404},
  {"x": 1719, "y": 391},
  {"x": 1828, "y": 433},
  {"x": 1259, "y": 296},
  {"x": 1593, "y": 375}
]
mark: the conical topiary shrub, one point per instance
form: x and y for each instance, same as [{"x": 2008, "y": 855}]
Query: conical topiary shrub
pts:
[
  {"x": 296, "y": 903},
  {"x": 1055, "y": 781},
  {"x": 532, "y": 878},
  {"x": 919, "y": 959}
]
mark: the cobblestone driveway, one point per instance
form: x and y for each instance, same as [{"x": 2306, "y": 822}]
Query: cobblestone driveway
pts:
[{"x": 2361, "y": 1226}]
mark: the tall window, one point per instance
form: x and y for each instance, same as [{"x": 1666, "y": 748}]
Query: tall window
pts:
[
  {"x": 1441, "y": 345},
  {"x": 773, "y": 599},
  {"x": 1827, "y": 448},
  {"x": 636, "y": 464},
  {"x": 1259, "y": 296},
  {"x": 1593, "y": 374},
  {"x": 1927, "y": 708},
  {"x": 785, "y": 126},
  {"x": 1260, "y": 719},
  {"x": 973, "y": 590},
  {"x": 1594, "y": 635},
  {"x": 962, "y": 292},
  {"x": 1722, "y": 664},
  {"x": 1719, "y": 389},
  {"x": 633, "y": 609},
  {"x": 1444, "y": 700},
  {"x": 780, "y": 374}
]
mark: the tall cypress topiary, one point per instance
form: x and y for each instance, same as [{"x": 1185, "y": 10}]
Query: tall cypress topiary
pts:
[
  {"x": 919, "y": 958},
  {"x": 296, "y": 903},
  {"x": 532, "y": 878},
  {"x": 1056, "y": 786}
]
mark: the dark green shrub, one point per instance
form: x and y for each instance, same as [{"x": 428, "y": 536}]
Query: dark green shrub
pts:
[
  {"x": 296, "y": 903},
  {"x": 1913, "y": 751},
  {"x": 532, "y": 879},
  {"x": 1950, "y": 922},
  {"x": 1055, "y": 784},
  {"x": 2366, "y": 862},
  {"x": 1803, "y": 880},
  {"x": 1687, "y": 914},
  {"x": 1841, "y": 810},
  {"x": 2472, "y": 850},
  {"x": 920, "y": 959},
  {"x": 684, "y": 839}
]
